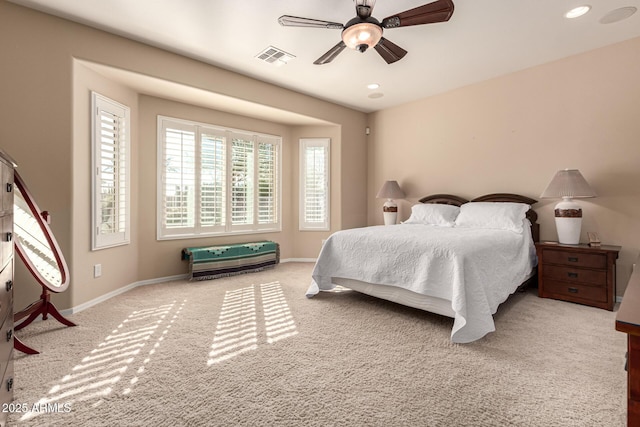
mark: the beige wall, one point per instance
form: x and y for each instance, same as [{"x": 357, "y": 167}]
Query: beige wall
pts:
[
  {"x": 44, "y": 125},
  {"x": 511, "y": 134},
  {"x": 35, "y": 129},
  {"x": 120, "y": 264}
]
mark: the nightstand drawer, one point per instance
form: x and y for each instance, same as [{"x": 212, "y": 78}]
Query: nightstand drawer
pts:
[
  {"x": 575, "y": 290},
  {"x": 576, "y": 259},
  {"x": 580, "y": 275}
]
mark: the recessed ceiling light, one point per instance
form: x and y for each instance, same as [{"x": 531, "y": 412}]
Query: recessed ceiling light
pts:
[
  {"x": 617, "y": 15},
  {"x": 373, "y": 86},
  {"x": 577, "y": 12}
]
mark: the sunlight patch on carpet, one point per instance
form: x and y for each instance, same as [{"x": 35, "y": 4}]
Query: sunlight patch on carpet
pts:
[
  {"x": 99, "y": 372},
  {"x": 152, "y": 351},
  {"x": 238, "y": 326},
  {"x": 278, "y": 321},
  {"x": 237, "y": 330}
]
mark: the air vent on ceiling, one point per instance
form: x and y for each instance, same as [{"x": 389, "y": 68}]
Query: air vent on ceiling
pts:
[{"x": 275, "y": 56}]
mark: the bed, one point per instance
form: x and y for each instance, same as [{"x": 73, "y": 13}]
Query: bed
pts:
[{"x": 452, "y": 257}]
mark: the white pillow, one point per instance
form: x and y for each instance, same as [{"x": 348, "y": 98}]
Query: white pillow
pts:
[
  {"x": 433, "y": 214},
  {"x": 493, "y": 215}
]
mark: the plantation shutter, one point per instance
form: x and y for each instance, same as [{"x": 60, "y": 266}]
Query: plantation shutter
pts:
[
  {"x": 110, "y": 177},
  {"x": 212, "y": 180},
  {"x": 110, "y": 212},
  {"x": 216, "y": 181},
  {"x": 268, "y": 200},
  {"x": 314, "y": 184},
  {"x": 178, "y": 179},
  {"x": 242, "y": 177}
]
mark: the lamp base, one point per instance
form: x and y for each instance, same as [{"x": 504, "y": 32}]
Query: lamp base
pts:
[
  {"x": 568, "y": 222},
  {"x": 390, "y": 212}
]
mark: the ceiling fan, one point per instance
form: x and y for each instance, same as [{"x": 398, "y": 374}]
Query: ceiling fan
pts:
[{"x": 365, "y": 31}]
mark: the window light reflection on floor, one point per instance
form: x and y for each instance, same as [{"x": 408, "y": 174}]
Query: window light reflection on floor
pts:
[
  {"x": 240, "y": 321},
  {"x": 153, "y": 349},
  {"x": 251, "y": 316},
  {"x": 278, "y": 321},
  {"x": 98, "y": 373},
  {"x": 237, "y": 330}
]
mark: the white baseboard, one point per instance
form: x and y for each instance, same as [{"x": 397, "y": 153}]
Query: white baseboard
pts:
[
  {"x": 121, "y": 290},
  {"x": 131, "y": 286}
]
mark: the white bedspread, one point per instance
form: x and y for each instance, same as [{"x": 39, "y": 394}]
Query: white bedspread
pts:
[{"x": 475, "y": 269}]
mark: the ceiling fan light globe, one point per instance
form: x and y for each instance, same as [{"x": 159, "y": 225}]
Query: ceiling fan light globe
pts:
[{"x": 363, "y": 33}]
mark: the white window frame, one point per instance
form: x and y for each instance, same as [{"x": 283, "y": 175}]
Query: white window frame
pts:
[
  {"x": 196, "y": 229},
  {"x": 121, "y": 143},
  {"x": 324, "y": 223}
]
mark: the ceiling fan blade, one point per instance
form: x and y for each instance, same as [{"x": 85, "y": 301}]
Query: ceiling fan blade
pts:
[
  {"x": 389, "y": 51},
  {"x": 438, "y": 11},
  {"x": 364, "y": 8},
  {"x": 296, "y": 21},
  {"x": 331, "y": 54}
]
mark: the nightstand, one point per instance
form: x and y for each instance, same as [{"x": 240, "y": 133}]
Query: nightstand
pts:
[{"x": 578, "y": 273}]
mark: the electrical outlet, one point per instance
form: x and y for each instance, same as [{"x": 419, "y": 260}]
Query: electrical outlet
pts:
[{"x": 97, "y": 270}]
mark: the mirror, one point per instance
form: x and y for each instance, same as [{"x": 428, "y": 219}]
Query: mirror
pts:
[
  {"x": 35, "y": 243},
  {"x": 38, "y": 249}
]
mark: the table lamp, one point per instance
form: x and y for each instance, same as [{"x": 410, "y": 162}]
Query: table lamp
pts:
[
  {"x": 390, "y": 190},
  {"x": 568, "y": 184}
]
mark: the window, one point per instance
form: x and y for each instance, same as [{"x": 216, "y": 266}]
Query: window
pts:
[
  {"x": 216, "y": 181},
  {"x": 110, "y": 143},
  {"x": 314, "y": 184}
]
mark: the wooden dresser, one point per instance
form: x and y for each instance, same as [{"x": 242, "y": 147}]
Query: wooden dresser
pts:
[
  {"x": 6, "y": 284},
  {"x": 578, "y": 273},
  {"x": 628, "y": 321}
]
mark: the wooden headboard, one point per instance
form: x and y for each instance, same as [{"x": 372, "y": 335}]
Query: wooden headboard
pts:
[{"x": 449, "y": 199}]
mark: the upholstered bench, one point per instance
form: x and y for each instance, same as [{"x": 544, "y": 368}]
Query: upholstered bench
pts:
[{"x": 212, "y": 262}]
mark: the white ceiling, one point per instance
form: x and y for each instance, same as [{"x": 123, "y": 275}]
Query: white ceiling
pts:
[{"x": 483, "y": 39}]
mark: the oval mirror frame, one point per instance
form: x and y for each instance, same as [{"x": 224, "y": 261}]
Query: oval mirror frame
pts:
[{"x": 34, "y": 263}]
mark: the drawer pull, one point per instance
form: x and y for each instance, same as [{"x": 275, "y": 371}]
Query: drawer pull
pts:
[
  {"x": 9, "y": 384},
  {"x": 9, "y": 285},
  {"x": 573, "y": 275},
  {"x": 572, "y": 259},
  {"x": 9, "y": 335},
  {"x": 573, "y": 290},
  {"x": 9, "y": 237},
  {"x": 9, "y": 187}
]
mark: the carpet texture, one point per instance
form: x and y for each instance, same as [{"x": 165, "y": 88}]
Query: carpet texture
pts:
[{"x": 251, "y": 350}]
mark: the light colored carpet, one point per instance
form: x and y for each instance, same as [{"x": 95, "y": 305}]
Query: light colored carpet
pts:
[{"x": 251, "y": 350}]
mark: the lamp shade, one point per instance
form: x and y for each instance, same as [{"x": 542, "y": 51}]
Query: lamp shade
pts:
[
  {"x": 390, "y": 190},
  {"x": 568, "y": 183}
]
